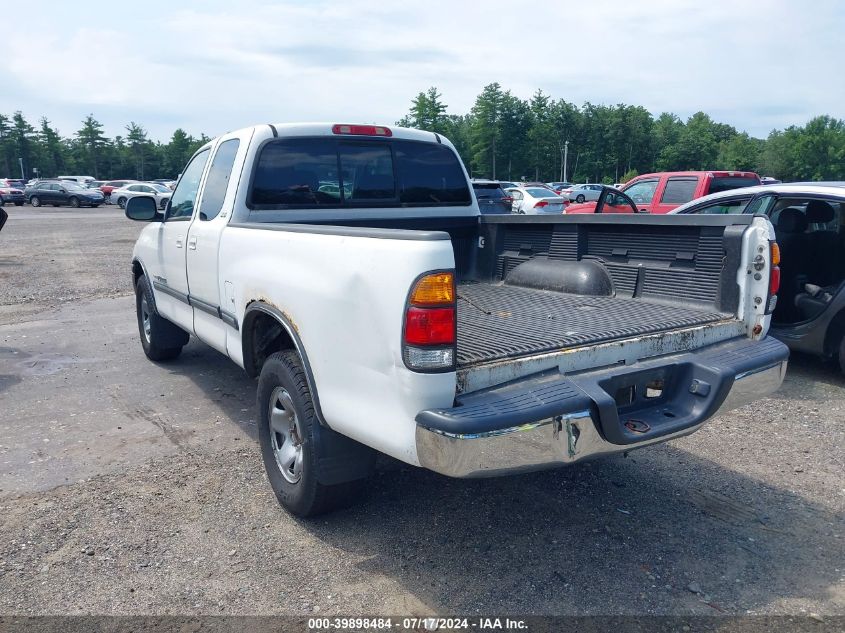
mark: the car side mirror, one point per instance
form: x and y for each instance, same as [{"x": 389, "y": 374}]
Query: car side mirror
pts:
[{"x": 142, "y": 209}]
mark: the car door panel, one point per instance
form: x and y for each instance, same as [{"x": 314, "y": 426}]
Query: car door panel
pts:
[
  {"x": 214, "y": 320},
  {"x": 172, "y": 282}
]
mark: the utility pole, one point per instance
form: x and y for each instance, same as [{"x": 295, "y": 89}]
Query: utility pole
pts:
[
  {"x": 565, "y": 157},
  {"x": 20, "y": 161}
]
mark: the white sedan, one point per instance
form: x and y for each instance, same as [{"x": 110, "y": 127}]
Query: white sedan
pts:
[
  {"x": 535, "y": 200},
  {"x": 580, "y": 193},
  {"x": 152, "y": 189}
]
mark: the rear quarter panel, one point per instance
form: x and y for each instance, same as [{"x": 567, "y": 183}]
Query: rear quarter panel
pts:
[{"x": 345, "y": 296}]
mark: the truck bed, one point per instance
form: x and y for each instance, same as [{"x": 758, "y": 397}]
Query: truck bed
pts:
[{"x": 497, "y": 321}]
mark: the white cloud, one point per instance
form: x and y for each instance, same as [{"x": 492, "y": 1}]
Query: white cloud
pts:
[{"x": 216, "y": 67}]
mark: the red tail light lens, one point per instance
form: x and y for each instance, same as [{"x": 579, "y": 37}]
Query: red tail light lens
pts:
[
  {"x": 774, "y": 280},
  {"x": 540, "y": 204},
  {"x": 361, "y": 130},
  {"x": 507, "y": 199},
  {"x": 430, "y": 326}
]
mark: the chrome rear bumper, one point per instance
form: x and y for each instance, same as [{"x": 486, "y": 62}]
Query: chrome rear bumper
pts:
[{"x": 560, "y": 440}]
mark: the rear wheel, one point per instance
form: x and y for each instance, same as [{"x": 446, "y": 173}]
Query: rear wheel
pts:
[
  {"x": 580, "y": 198},
  {"x": 121, "y": 202},
  {"x": 74, "y": 202},
  {"x": 35, "y": 201},
  {"x": 161, "y": 339},
  {"x": 842, "y": 354},
  {"x": 296, "y": 448}
]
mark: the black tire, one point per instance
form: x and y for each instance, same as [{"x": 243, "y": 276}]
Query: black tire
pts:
[
  {"x": 163, "y": 340},
  {"x": 580, "y": 198},
  {"x": 121, "y": 202},
  {"x": 73, "y": 201},
  {"x": 35, "y": 201},
  {"x": 95, "y": 205},
  {"x": 312, "y": 490},
  {"x": 163, "y": 204},
  {"x": 19, "y": 204}
]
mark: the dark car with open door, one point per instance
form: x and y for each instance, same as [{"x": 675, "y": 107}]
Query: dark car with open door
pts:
[{"x": 809, "y": 221}]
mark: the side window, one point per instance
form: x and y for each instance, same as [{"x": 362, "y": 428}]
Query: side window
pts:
[
  {"x": 132, "y": 188},
  {"x": 679, "y": 190},
  {"x": 642, "y": 192},
  {"x": 182, "y": 201},
  {"x": 217, "y": 181},
  {"x": 763, "y": 204},
  {"x": 724, "y": 207}
]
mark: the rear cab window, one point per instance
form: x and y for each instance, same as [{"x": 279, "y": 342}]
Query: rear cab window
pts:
[
  {"x": 725, "y": 183},
  {"x": 340, "y": 173},
  {"x": 679, "y": 190}
]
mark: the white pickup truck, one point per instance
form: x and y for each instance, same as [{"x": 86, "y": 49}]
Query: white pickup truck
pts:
[{"x": 349, "y": 269}]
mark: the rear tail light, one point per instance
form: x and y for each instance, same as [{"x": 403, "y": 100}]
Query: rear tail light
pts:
[
  {"x": 429, "y": 334},
  {"x": 540, "y": 204},
  {"x": 507, "y": 199},
  {"x": 774, "y": 277},
  {"x": 361, "y": 130}
]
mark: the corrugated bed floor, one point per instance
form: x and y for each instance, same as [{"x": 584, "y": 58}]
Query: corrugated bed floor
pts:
[{"x": 497, "y": 321}]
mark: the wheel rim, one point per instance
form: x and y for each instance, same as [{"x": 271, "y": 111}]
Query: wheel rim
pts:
[
  {"x": 121, "y": 203},
  {"x": 35, "y": 202},
  {"x": 579, "y": 199},
  {"x": 74, "y": 202},
  {"x": 145, "y": 318},
  {"x": 285, "y": 435}
]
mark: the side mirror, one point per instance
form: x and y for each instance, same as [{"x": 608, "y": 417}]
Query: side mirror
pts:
[{"x": 142, "y": 209}]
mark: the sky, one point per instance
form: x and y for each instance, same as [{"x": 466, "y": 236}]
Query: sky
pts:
[{"x": 211, "y": 66}]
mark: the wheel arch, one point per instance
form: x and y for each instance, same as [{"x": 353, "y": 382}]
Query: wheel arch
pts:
[
  {"x": 138, "y": 269},
  {"x": 265, "y": 330},
  {"x": 834, "y": 333}
]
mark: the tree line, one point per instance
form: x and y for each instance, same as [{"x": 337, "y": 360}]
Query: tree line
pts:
[
  {"x": 502, "y": 136},
  {"x": 508, "y": 138},
  {"x": 89, "y": 152}
]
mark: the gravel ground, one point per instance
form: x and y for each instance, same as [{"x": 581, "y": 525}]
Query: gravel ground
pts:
[{"x": 128, "y": 487}]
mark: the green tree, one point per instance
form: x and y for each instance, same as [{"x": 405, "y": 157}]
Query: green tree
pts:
[
  {"x": 54, "y": 154},
  {"x": 741, "y": 152},
  {"x": 428, "y": 112},
  {"x": 90, "y": 144},
  {"x": 485, "y": 129},
  {"x": 139, "y": 148},
  {"x": 23, "y": 142}
]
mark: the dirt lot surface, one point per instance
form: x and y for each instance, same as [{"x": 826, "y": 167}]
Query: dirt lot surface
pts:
[{"x": 128, "y": 487}]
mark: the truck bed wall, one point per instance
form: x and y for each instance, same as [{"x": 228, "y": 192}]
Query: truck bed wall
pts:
[{"x": 658, "y": 258}]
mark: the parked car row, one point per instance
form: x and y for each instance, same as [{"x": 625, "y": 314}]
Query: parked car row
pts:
[{"x": 81, "y": 191}]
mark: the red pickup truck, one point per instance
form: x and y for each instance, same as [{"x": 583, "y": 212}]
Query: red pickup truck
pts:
[{"x": 661, "y": 192}]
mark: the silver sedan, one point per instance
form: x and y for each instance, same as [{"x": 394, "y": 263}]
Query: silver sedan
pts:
[
  {"x": 535, "y": 200},
  {"x": 154, "y": 190},
  {"x": 581, "y": 193}
]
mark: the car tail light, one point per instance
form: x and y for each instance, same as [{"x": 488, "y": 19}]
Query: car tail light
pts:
[
  {"x": 361, "y": 130},
  {"x": 774, "y": 277},
  {"x": 507, "y": 199},
  {"x": 429, "y": 334},
  {"x": 540, "y": 204}
]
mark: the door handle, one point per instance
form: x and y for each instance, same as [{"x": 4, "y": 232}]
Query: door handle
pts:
[
  {"x": 192, "y": 243},
  {"x": 178, "y": 242}
]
